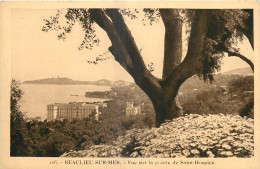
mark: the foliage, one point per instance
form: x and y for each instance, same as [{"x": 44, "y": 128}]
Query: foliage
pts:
[
  {"x": 223, "y": 23},
  {"x": 227, "y": 97},
  {"x": 248, "y": 109},
  {"x": 16, "y": 95},
  {"x": 151, "y": 15},
  {"x": 73, "y": 15},
  {"x": 244, "y": 87},
  {"x": 17, "y": 122},
  {"x": 242, "y": 84},
  {"x": 192, "y": 136},
  {"x": 51, "y": 139}
]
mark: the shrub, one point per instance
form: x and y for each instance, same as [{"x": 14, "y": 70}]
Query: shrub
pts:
[{"x": 248, "y": 109}]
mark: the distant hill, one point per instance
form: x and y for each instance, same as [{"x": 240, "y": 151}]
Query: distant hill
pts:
[
  {"x": 240, "y": 71},
  {"x": 68, "y": 81},
  {"x": 121, "y": 83},
  {"x": 103, "y": 82},
  {"x": 219, "y": 79}
]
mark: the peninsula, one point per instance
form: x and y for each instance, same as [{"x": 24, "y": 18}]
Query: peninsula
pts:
[{"x": 68, "y": 81}]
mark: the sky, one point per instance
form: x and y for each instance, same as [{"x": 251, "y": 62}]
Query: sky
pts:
[{"x": 37, "y": 54}]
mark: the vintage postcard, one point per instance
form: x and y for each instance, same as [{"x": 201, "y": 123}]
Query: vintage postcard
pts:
[{"x": 121, "y": 84}]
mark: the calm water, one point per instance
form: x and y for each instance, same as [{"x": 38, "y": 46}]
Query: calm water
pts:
[{"x": 37, "y": 96}]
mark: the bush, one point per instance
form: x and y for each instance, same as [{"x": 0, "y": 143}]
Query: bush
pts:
[
  {"x": 235, "y": 98},
  {"x": 17, "y": 122},
  {"x": 242, "y": 84},
  {"x": 188, "y": 136},
  {"x": 248, "y": 109}
]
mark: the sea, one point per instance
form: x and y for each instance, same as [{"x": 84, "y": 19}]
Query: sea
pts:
[{"x": 36, "y": 97}]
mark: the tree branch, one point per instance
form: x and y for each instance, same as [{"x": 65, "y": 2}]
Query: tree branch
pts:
[
  {"x": 127, "y": 39},
  {"x": 194, "y": 58},
  {"x": 222, "y": 47},
  {"x": 230, "y": 53},
  {"x": 125, "y": 50},
  {"x": 172, "y": 40},
  {"x": 142, "y": 76},
  {"x": 117, "y": 49}
]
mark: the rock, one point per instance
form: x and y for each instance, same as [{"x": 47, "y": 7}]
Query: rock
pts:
[
  {"x": 250, "y": 131},
  {"x": 166, "y": 155},
  {"x": 195, "y": 151},
  {"x": 210, "y": 154},
  {"x": 226, "y": 153},
  {"x": 186, "y": 152},
  {"x": 187, "y": 136},
  {"x": 203, "y": 148},
  {"x": 134, "y": 154},
  {"x": 226, "y": 146},
  {"x": 193, "y": 144},
  {"x": 220, "y": 126}
]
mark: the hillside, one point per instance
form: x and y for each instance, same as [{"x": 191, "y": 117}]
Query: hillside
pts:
[
  {"x": 195, "y": 84},
  {"x": 188, "y": 136},
  {"x": 240, "y": 71}
]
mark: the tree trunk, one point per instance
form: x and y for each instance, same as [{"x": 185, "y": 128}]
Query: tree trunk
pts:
[
  {"x": 172, "y": 54},
  {"x": 162, "y": 92},
  {"x": 166, "y": 110},
  {"x": 249, "y": 30},
  {"x": 172, "y": 40}
]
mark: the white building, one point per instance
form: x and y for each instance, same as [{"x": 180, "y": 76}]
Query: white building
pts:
[
  {"x": 70, "y": 111},
  {"x": 131, "y": 109}
]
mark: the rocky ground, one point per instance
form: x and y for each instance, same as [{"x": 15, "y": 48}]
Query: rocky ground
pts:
[{"x": 189, "y": 136}]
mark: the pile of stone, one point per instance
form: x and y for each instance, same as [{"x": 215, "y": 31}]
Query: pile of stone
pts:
[
  {"x": 189, "y": 136},
  {"x": 96, "y": 151}
]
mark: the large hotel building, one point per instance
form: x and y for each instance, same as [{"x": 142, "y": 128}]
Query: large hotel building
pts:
[{"x": 73, "y": 110}]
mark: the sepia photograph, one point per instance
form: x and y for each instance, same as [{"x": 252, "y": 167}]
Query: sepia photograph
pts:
[{"x": 115, "y": 85}]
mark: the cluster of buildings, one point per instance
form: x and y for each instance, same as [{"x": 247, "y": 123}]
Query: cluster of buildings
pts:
[
  {"x": 101, "y": 94},
  {"x": 81, "y": 110},
  {"x": 73, "y": 110}
]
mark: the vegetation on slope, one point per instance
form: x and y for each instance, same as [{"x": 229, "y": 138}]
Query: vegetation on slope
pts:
[{"x": 189, "y": 136}]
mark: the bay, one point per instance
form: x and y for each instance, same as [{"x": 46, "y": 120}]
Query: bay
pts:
[{"x": 36, "y": 97}]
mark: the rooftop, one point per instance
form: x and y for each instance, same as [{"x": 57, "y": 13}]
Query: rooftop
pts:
[{"x": 75, "y": 104}]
